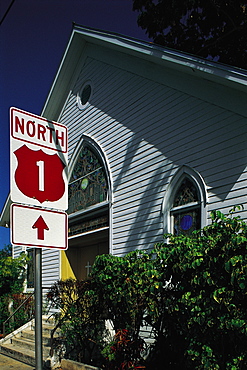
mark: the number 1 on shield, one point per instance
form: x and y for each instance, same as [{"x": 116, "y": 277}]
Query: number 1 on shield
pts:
[{"x": 41, "y": 165}]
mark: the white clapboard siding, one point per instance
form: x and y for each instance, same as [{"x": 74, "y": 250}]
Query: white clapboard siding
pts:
[
  {"x": 16, "y": 251},
  {"x": 149, "y": 122},
  {"x": 50, "y": 264}
]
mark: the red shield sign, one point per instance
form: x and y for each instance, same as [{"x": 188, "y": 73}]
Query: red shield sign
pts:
[{"x": 39, "y": 175}]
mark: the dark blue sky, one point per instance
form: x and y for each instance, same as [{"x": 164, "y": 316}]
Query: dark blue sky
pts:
[{"x": 33, "y": 37}]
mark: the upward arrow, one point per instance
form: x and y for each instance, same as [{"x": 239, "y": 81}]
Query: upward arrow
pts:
[{"x": 40, "y": 225}]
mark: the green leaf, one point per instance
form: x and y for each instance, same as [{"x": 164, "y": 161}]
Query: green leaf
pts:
[
  {"x": 228, "y": 266},
  {"x": 242, "y": 285}
]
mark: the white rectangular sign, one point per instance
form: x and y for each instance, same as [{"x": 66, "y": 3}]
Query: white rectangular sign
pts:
[
  {"x": 39, "y": 158},
  {"x": 37, "y": 227}
]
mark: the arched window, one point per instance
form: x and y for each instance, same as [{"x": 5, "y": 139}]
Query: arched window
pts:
[
  {"x": 90, "y": 211},
  {"x": 186, "y": 209},
  {"x": 88, "y": 182},
  {"x": 184, "y": 204}
]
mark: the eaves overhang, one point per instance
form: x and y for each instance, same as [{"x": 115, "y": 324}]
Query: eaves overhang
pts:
[
  {"x": 5, "y": 214},
  {"x": 160, "y": 55},
  {"x": 81, "y": 36}
]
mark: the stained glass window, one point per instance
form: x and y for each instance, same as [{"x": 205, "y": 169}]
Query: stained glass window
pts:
[
  {"x": 186, "y": 211},
  {"x": 185, "y": 222},
  {"x": 187, "y": 193},
  {"x": 88, "y": 182}
]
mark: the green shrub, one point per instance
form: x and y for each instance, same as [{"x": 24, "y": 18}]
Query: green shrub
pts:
[
  {"x": 12, "y": 277},
  {"x": 79, "y": 319},
  {"x": 190, "y": 290},
  {"x": 207, "y": 276}
]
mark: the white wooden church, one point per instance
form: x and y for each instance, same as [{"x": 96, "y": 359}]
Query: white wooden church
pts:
[{"x": 157, "y": 140}]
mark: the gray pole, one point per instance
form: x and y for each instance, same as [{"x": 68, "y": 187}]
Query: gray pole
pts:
[{"x": 38, "y": 310}]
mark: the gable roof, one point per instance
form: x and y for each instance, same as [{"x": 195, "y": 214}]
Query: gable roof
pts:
[{"x": 81, "y": 36}]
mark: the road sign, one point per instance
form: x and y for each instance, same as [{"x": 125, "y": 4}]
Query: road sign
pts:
[
  {"x": 39, "y": 153},
  {"x": 38, "y": 227}
]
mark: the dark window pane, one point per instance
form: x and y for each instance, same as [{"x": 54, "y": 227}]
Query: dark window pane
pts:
[
  {"x": 185, "y": 222},
  {"x": 187, "y": 193},
  {"x": 85, "y": 95}
]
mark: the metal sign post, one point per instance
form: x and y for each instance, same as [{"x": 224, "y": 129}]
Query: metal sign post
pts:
[{"x": 38, "y": 310}]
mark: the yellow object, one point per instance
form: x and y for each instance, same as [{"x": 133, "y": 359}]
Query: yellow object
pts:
[{"x": 66, "y": 271}]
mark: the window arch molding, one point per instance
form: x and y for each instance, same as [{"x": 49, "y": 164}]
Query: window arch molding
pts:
[
  {"x": 91, "y": 143},
  {"x": 175, "y": 183}
]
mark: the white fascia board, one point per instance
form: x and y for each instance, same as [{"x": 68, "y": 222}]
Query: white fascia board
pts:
[
  {"x": 63, "y": 77},
  {"x": 176, "y": 59},
  {"x": 80, "y": 36},
  {"x": 5, "y": 214}
]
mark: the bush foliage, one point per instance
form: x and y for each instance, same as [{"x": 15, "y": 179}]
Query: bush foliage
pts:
[
  {"x": 12, "y": 277},
  {"x": 190, "y": 290}
]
